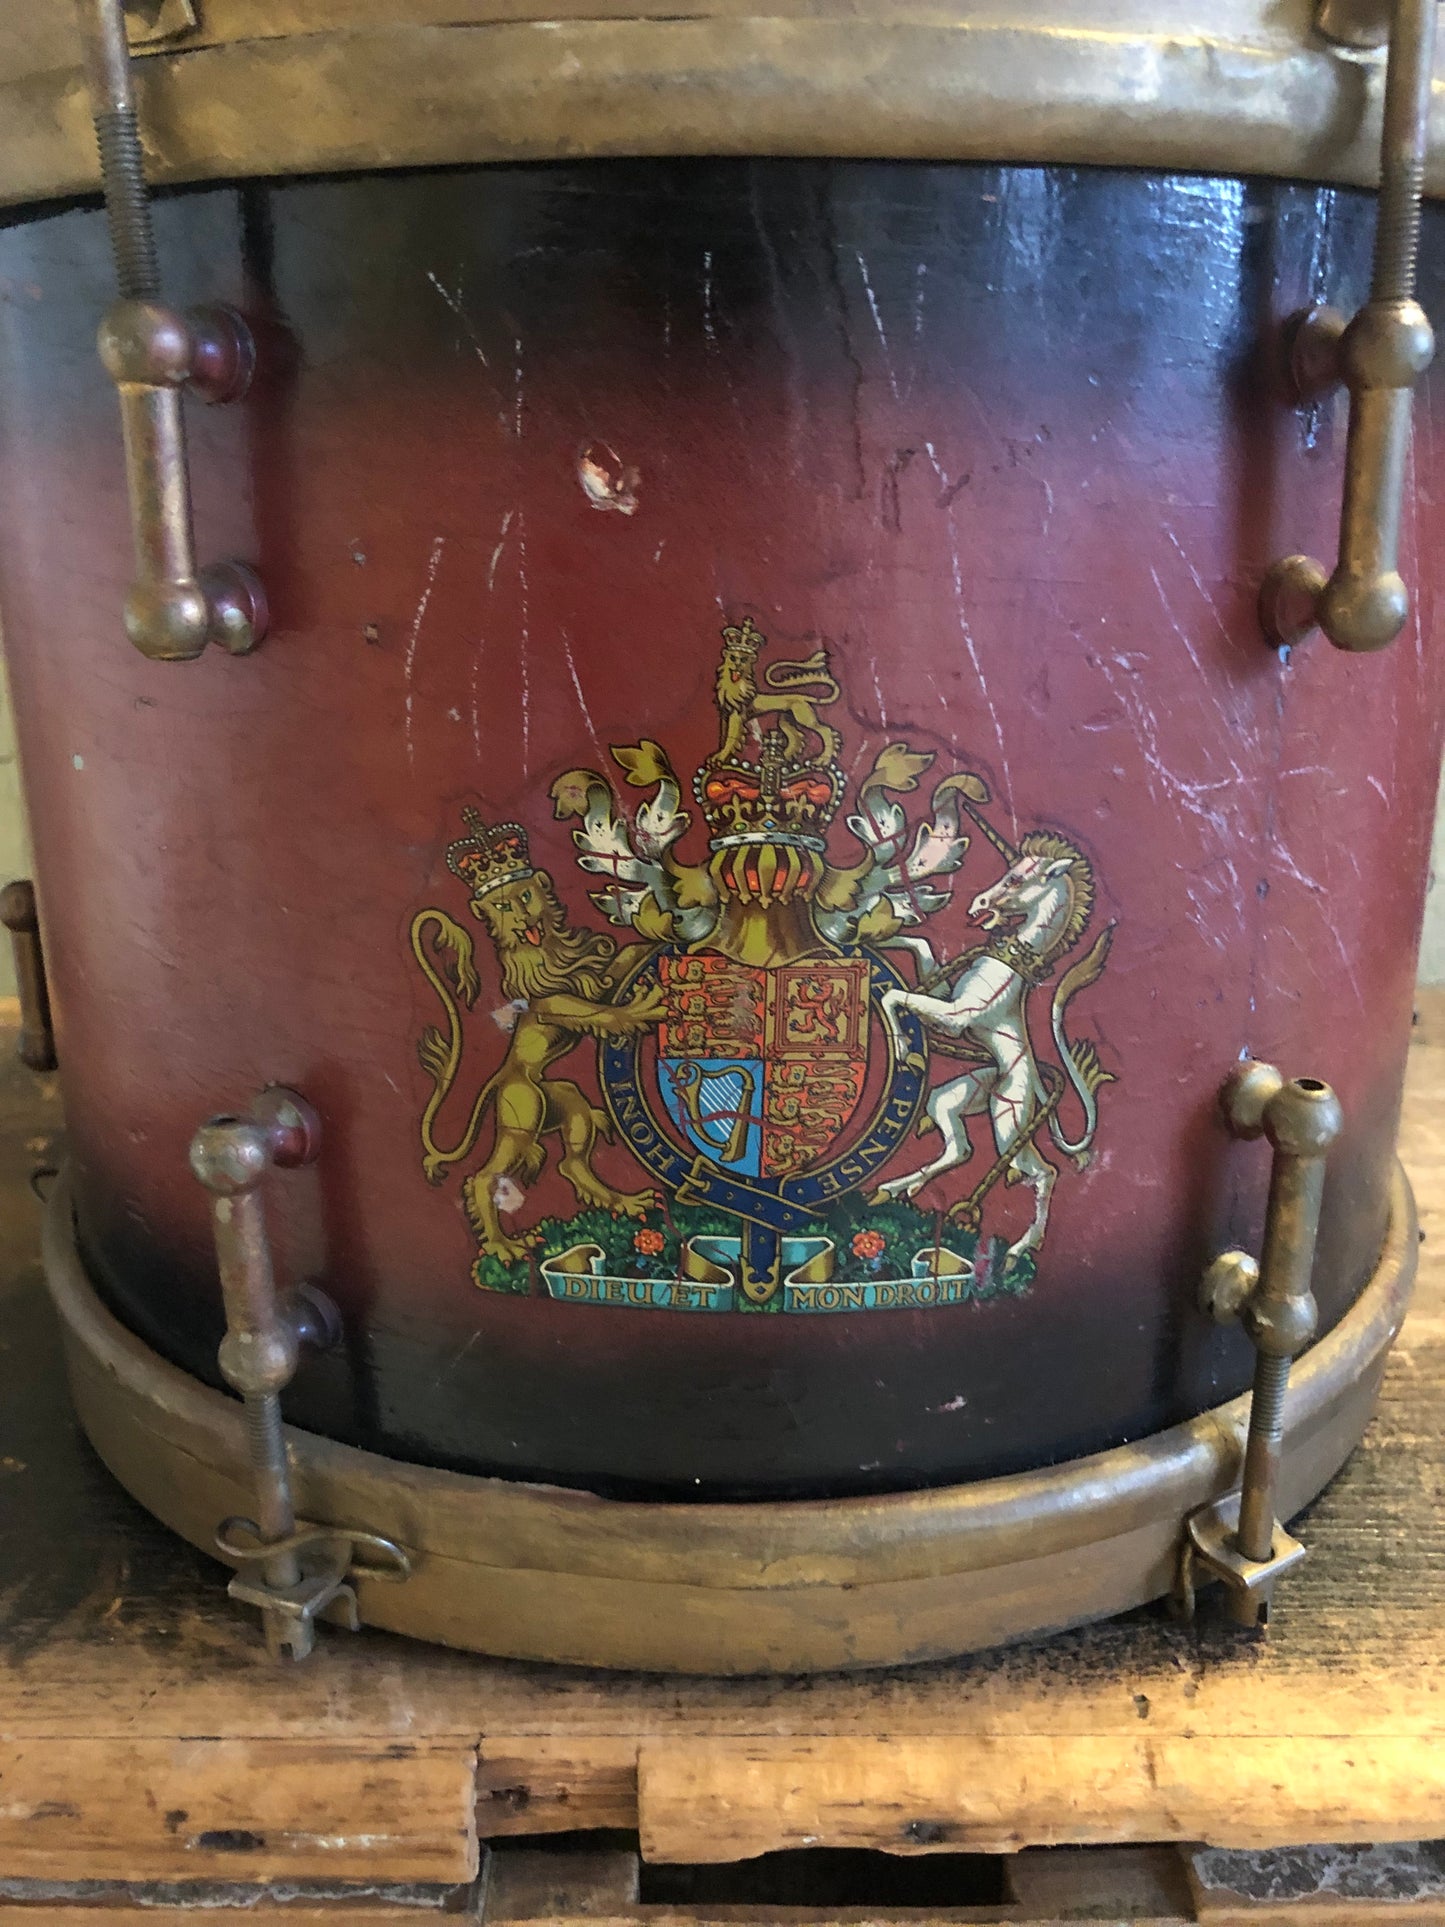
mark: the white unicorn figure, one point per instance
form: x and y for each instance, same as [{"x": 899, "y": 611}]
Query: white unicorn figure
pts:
[{"x": 1047, "y": 894}]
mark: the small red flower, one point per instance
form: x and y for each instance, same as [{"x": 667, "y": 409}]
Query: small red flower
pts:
[
  {"x": 648, "y": 1242},
  {"x": 868, "y": 1244}
]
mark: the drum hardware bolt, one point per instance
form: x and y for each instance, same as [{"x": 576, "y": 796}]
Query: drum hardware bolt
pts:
[
  {"x": 1363, "y": 604},
  {"x": 1312, "y": 351},
  {"x": 1354, "y": 23},
  {"x": 1228, "y": 1285},
  {"x": 37, "y": 1038},
  {"x": 292, "y": 1574},
  {"x": 152, "y": 353},
  {"x": 1238, "y": 1539}
]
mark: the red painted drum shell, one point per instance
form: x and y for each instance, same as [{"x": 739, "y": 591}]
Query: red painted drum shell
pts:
[{"x": 898, "y": 526}]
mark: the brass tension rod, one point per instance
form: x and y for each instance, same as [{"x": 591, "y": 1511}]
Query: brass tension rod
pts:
[
  {"x": 1362, "y": 604},
  {"x": 153, "y": 353},
  {"x": 292, "y": 1572},
  {"x": 1239, "y": 1539}
]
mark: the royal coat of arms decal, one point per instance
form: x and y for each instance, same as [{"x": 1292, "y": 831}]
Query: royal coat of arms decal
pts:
[{"x": 818, "y": 1105}]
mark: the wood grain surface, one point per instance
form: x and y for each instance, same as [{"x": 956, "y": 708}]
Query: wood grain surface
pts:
[{"x": 144, "y": 1735}]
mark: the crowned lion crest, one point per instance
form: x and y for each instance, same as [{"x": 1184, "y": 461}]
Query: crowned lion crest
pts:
[{"x": 772, "y": 1028}]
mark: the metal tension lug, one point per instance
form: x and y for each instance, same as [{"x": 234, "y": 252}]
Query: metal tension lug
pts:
[
  {"x": 153, "y": 353},
  {"x": 291, "y": 1573},
  {"x": 1238, "y": 1539},
  {"x": 1362, "y": 603},
  {"x": 36, "y": 1046}
]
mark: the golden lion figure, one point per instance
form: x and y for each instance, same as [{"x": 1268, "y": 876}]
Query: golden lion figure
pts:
[
  {"x": 559, "y": 980},
  {"x": 795, "y": 692}
]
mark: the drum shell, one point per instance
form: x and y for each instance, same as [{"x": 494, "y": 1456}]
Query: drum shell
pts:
[{"x": 1006, "y": 441}]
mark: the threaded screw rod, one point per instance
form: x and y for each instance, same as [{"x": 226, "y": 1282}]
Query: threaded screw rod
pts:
[
  {"x": 1405, "y": 138},
  {"x": 266, "y": 1444},
  {"x": 122, "y": 160},
  {"x": 1262, "y": 1446}
]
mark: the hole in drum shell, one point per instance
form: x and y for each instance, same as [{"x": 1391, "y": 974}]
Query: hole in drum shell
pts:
[{"x": 1311, "y": 1084}]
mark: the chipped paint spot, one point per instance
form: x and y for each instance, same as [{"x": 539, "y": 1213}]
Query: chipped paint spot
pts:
[
  {"x": 507, "y": 1195},
  {"x": 608, "y": 482},
  {"x": 78, "y": 762}
]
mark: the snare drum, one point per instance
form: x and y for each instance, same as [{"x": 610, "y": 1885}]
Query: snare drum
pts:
[{"x": 745, "y": 815}]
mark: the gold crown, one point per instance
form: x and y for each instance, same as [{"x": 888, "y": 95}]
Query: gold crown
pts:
[
  {"x": 773, "y": 800},
  {"x": 745, "y": 639},
  {"x": 486, "y": 859}
]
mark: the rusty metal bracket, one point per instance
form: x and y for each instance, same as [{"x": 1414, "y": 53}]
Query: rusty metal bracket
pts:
[
  {"x": 291, "y": 1573},
  {"x": 153, "y": 353},
  {"x": 1238, "y": 1539},
  {"x": 158, "y": 24},
  {"x": 327, "y": 1563},
  {"x": 1362, "y": 604}
]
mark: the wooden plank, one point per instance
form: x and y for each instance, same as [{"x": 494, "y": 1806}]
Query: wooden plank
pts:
[
  {"x": 728, "y": 1799},
  {"x": 555, "y": 1785},
  {"x": 1325, "y": 1913},
  {"x": 237, "y": 1810}
]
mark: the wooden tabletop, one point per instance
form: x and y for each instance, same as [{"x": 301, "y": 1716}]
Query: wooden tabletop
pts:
[{"x": 144, "y": 1736}]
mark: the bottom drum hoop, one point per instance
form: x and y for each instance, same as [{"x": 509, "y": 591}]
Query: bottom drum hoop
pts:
[{"x": 545, "y": 1573}]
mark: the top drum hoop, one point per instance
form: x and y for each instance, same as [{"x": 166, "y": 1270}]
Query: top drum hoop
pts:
[{"x": 240, "y": 88}]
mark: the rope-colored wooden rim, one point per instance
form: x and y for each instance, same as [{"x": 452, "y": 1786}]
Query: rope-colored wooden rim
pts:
[
  {"x": 537, "y": 1572},
  {"x": 267, "y": 87}
]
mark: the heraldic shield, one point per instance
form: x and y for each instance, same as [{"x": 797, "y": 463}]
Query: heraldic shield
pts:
[
  {"x": 762, "y": 1069},
  {"x": 761, "y": 1074}
]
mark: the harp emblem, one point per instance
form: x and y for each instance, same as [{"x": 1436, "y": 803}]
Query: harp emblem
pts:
[{"x": 714, "y": 1103}]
